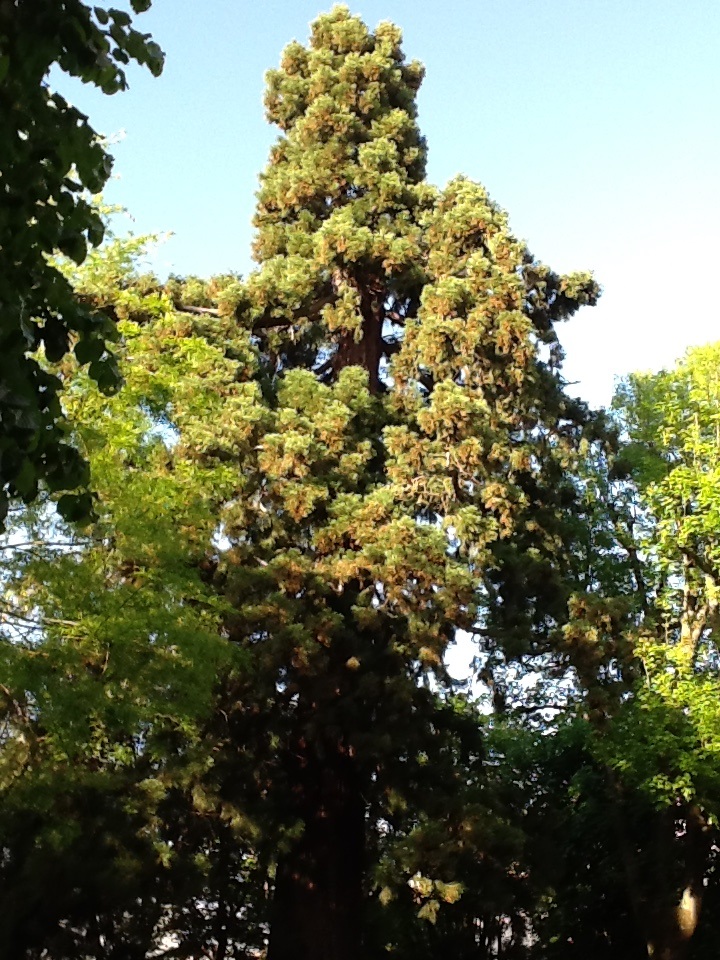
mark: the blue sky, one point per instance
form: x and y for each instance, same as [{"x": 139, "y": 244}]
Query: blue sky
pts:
[{"x": 595, "y": 123}]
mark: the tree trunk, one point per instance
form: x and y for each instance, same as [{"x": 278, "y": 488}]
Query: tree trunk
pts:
[
  {"x": 318, "y": 898},
  {"x": 672, "y": 941},
  {"x": 366, "y": 352},
  {"x": 673, "y": 929},
  {"x": 666, "y": 898}
]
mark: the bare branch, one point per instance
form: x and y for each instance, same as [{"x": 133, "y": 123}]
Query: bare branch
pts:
[{"x": 200, "y": 311}]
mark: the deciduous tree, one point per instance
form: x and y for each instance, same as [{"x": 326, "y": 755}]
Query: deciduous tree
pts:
[{"x": 51, "y": 158}]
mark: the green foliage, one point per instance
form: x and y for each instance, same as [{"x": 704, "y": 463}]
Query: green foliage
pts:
[
  {"x": 671, "y": 420},
  {"x": 673, "y": 424},
  {"x": 642, "y": 642},
  {"x": 113, "y": 644},
  {"x": 51, "y": 159},
  {"x": 223, "y": 692}
]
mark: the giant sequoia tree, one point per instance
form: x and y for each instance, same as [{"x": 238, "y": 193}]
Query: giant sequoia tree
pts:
[
  {"x": 410, "y": 469},
  {"x": 382, "y": 461}
]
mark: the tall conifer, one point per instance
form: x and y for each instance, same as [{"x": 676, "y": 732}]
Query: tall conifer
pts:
[{"x": 408, "y": 481}]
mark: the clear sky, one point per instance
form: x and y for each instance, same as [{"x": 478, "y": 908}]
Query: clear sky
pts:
[{"x": 595, "y": 123}]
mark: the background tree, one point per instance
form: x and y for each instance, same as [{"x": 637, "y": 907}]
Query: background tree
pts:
[
  {"x": 667, "y": 735},
  {"x": 641, "y": 643},
  {"x": 115, "y": 834},
  {"x": 51, "y": 159}
]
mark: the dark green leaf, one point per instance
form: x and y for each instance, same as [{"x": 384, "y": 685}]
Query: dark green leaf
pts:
[
  {"x": 26, "y": 478},
  {"x": 74, "y": 246},
  {"x": 75, "y": 507},
  {"x": 120, "y": 17},
  {"x": 89, "y": 350},
  {"x": 96, "y": 232},
  {"x": 106, "y": 374}
]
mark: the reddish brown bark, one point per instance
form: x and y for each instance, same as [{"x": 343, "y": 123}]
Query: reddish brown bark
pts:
[{"x": 368, "y": 351}]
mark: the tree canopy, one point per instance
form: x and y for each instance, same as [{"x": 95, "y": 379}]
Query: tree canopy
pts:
[{"x": 229, "y": 728}]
